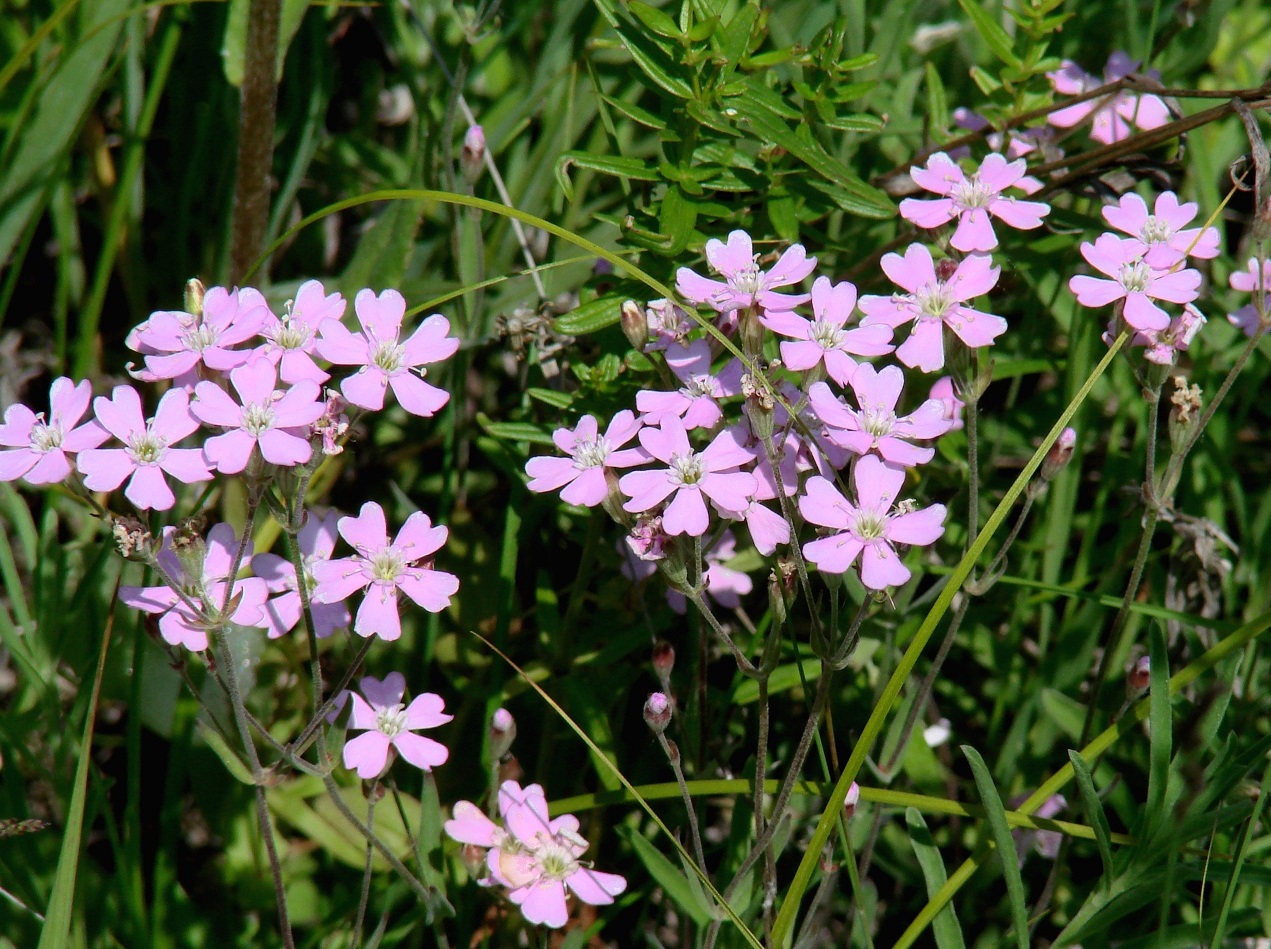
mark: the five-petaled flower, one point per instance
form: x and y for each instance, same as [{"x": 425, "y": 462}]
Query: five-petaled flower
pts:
[
  {"x": 1114, "y": 116},
  {"x": 825, "y": 339},
  {"x": 291, "y": 339},
  {"x": 1162, "y": 234},
  {"x": 972, "y": 199},
  {"x": 744, "y": 284},
  {"x": 176, "y": 343},
  {"x": 1132, "y": 279},
  {"x": 696, "y": 402},
  {"x": 582, "y": 474},
  {"x": 390, "y": 727},
  {"x": 41, "y": 448}
]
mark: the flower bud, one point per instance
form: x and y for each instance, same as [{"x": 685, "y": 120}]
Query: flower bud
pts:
[
  {"x": 946, "y": 267},
  {"x": 194, "y": 293},
  {"x": 657, "y": 712},
  {"x": 1059, "y": 455},
  {"x": 1138, "y": 676},
  {"x": 472, "y": 157},
  {"x": 635, "y": 325},
  {"x": 663, "y": 663},
  {"x": 502, "y": 733},
  {"x": 474, "y": 860},
  {"x": 759, "y": 406},
  {"x": 849, "y": 803}
]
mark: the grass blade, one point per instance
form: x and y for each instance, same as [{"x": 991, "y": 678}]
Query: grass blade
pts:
[
  {"x": 945, "y": 927},
  {"x": 1094, "y": 811},
  {"x": 996, "y": 816}
]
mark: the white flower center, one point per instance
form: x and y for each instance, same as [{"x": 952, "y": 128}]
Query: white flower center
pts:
[
  {"x": 146, "y": 448},
  {"x": 972, "y": 194},
  {"x": 391, "y": 720},
  {"x": 555, "y": 862},
  {"x": 591, "y": 452},
  {"x": 1135, "y": 276},
  {"x": 877, "y": 421},
  {"x": 387, "y": 565},
  {"x": 1156, "y": 231},
  {"x": 869, "y": 525},
  {"x": 748, "y": 280},
  {"x": 934, "y": 300},
  {"x": 258, "y": 417},
  {"x": 687, "y": 468},
  {"x": 45, "y": 437},
  {"x": 289, "y": 333},
  {"x": 699, "y": 386},
  {"x": 826, "y": 335},
  {"x": 201, "y": 337},
  {"x": 388, "y": 355}
]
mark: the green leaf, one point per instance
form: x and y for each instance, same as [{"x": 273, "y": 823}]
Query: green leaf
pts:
[
  {"x": 655, "y": 19},
  {"x": 674, "y": 883},
  {"x": 992, "y": 34},
  {"x": 635, "y": 113},
  {"x": 516, "y": 431},
  {"x": 589, "y": 709},
  {"x": 615, "y": 165},
  {"x": 733, "y": 40},
  {"x": 652, "y": 60},
  {"x": 855, "y": 122},
  {"x": 305, "y": 805},
  {"x": 594, "y": 315},
  {"x": 1094, "y": 812},
  {"x": 677, "y": 216},
  {"x": 780, "y": 208},
  {"x": 554, "y": 398},
  {"x": 945, "y": 927},
  {"x": 937, "y": 101},
  {"x": 1161, "y": 723},
  {"x": 229, "y": 757},
  {"x": 995, "y": 814}
]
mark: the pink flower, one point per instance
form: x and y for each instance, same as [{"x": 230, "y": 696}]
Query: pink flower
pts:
[
  {"x": 175, "y": 343},
  {"x": 582, "y": 475},
  {"x": 825, "y": 339},
  {"x": 1255, "y": 279},
  {"x": 1114, "y": 116},
  {"x": 148, "y": 454},
  {"x": 745, "y": 285},
  {"x": 876, "y": 426},
  {"x": 42, "y": 449},
  {"x": 942, "y": 390},
  {"x": 385, "y": 362},
  {"x": 181, "y": 625},
  {"x": 1162, "y": 347},
  {"x": 972, "y": 200},
  {"x": 867, "y": 530},
  {"x": 667, "y": 324},
  {"x": 390, "y": 727},
  {"x": 688, "y": 476},
  {"x": 697, "y": 403},
  {"x": 933, "y": 303},
  {"x": 1014, "y": 143},
  {"x": 277, "y": 422},
  {"x": 1162, "y": 236},
  {"x": 291, "y": 340},
  {"x": 1132, "y": 279},
  {"x": 316, "y": 541},
  {"x": 533, "y": 856},
  {"x": 724, "y": 585},
  {"x": 385, "y": 566}
]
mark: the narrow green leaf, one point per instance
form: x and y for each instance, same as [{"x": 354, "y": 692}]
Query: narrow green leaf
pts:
[
  {"x": 557, "y": 400},
  {"x": 937, "y": 101},
  {"x": 995, "y": 814},
  {"x": 674, "y": 883},
  {"x": 229, "y": 757},
  {"x": 733, "y": 39},
  {"x": 655, "y": 19},
  {"x": 516, "y": 431},
  {"x": 1094, "y": 812},
  {"x": 945, "y": 927},
  {"x": 635, "y": 113},
  {"x": 677, "y": 216},
  {"x": 615, "y": 165},
  {"x": 594, "y": 315},
  {"x": 992, "y": 33},
  {"x": 1161, "y": 723}
]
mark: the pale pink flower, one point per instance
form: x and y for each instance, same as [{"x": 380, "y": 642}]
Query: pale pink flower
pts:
[
  {"x": 42, "y": 449},
  {"x": 1014, "y": 143},
  {"x": 943, "y": 391},
  {"x": 176, "y": 343},
  {"x": 316, "y": 541},
  {"x": 1114, "y": 116},
  {"x": 825, "y": 339},
  {"x": 1163, "y": 236},
  {"x": 536, "y": 858},
  {"x": 933, "y": 303},
  {"x": 667, "y": 324},
  {"x": 724, "y": 585},
  {"x": 276, "y": 422},
  {"x": 875, "y": 426},
  {"x": 148, "y": 454},
  {"x": 583, "y": 473},
  {"x": 1163, "y": 346},
  {"x": 689, "y": 475},
  {"x": 291, "y": 339},
  {"x": 183, "y": 623},
  {"x": 386, "y": 566},
  {"x": 697, "y": 402},
  {"x": 383, "y": 360},
  {"x": 1133, "y": 280},
  {"x": 972, "y": 199},
  {"x": 1255, "y": 279},
  {"x": 390, "y": 727},
  {"x": 869, "y": 529},
  {"x": 744, "y": 284}
]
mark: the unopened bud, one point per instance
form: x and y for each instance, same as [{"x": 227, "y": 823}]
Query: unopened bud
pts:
[
  {"x": 635, "y": 325},
  {"x": 474, "y": 860},
  {"x": 1139, "y": 676},
  {"x": 759, "y": 406},
  {"x": 502, "y": 733},
  {"x": 945, "y": 269},
  {"x": 672, "y": 751},
  {"x": 194, "y": 293},
  {"x": 777, "y": 598},
  {"x": 1184, "y": 417},
  {"x": 663, "y": 662},
  {"x": 657, "y": 712},
  {"x": 472, "y": 157},
  {"x": 1059, "y": 455},
  {"x": 849, "y": 803}
]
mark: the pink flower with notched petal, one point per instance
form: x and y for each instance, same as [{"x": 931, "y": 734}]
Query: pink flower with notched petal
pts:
[
  {"x": 583, "y": 474},
  {"x": 744, "y": 284},
  {"x": 697, "y": 403},
  {"x": 868, "y": 529},
  {"x": 148, "y": 454},
  {"x": 276, "y": 422},
  {"x": 41, "y": 450},
  {"x": 184, "y": 621},
  {"x": 385, "y": 362},
  {"x": 933, "y": 303},
  {"x": 390, "y": 727},
  {"x": 316, "y": 541},
  {"x": 291, "y": 339},
  {"x": 1255, "y": 279},
  {"x": 1132, "y": 279},
  {"x": 875, "y": 426},
  {"x": 1164, "y": 346},
  {"x": 972, "y": 199},
  {"x": 386, "y": 566},
  {"x": 825, "y": 339},
  {"x": 689, "y": 476},
  {"x": 1163, "y": 236},
  {"x": 176, "y": 343},
  {"x": 1115, "y": 116}
]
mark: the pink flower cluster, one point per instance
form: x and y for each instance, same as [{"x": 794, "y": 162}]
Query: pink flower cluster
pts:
[
  {"x": 535, "y": 858},
  {"x": 1113, "y": 117},
  {"x": 1142, "y": 267}
]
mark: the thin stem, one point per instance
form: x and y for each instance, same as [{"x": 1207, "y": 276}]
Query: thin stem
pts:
[
  {"x": 1153, "y": 423},
  {"x": 673, "y": 756},
  {"x": 371, "y": 798},
  {"x": 747, "y": 667},
  {"x": 972, "y": 416},
  {"x": 301, "y": 743},
  {"x": 990, "y": 575}
]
